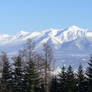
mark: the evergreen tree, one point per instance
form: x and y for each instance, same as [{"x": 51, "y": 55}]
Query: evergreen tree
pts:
[
  {"x": 54, "y": 85},
  {"x": 33, "y": 80},
  {"x": 89, "y": 75},
  {"x": 62, "y": 80},
  {"x": 70, "y": 81},
  {"x": 81, "y": 79},
  {"x": 18, "y": 75},
  {"x": 6, "y": 74}
]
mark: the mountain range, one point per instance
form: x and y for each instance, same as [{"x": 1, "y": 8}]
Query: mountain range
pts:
[{"x": 71, "y": 46}]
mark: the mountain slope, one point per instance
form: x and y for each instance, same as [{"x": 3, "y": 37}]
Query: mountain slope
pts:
[{"x": 71, "y": 46}]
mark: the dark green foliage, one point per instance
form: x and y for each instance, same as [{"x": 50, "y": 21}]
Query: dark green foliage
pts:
[
  {"x": 54, "y": 85},
  {"x": 89, "y": 75},
  {"x": 33, "y": 80},
  {"x": 18, "y": 75},
  {"x": 26, "y": 77},
  {"x": 6, "y": 74},
  {"x": 81, "y": 80},
  {"x": 62, "y": 79},
  {"x": 70, "y": 81},
  {"x": 80, "y": 74}
]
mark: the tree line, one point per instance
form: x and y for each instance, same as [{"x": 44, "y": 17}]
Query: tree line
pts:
[{"x": 29, "y": 71}]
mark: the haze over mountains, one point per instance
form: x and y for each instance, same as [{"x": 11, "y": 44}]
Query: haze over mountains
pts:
[{"x": 71, "y": 46}]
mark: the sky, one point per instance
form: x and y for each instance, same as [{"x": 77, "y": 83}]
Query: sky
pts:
[{"x": 37, "y": 15}]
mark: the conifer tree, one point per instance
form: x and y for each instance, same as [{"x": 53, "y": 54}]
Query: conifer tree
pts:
[
  {"x": 62, "y": 80},
  {"x": 89, "y": 75},
  {"x": 81, "y": 79},
  {"x": 33, "y": 80},
  {"x": 54, "y": 85},
  {"x": 6, "y": 74},
  {"x": 18, "y": 75},
  {"x": 71, "y": 84}
]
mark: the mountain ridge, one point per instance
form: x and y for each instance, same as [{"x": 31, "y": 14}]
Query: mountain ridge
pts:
[{"x": 73, "y": 42}]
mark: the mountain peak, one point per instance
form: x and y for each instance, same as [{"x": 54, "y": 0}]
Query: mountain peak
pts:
[
  {"x": 74, "y": 28},
  {"x": 23, "y": 32}
]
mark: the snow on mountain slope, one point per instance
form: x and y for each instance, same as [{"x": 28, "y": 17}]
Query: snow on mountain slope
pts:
[
  {"x": 55, "y": 35},
  {"x": 89, "y": 34},
  {"x": 74, "y": 43}
]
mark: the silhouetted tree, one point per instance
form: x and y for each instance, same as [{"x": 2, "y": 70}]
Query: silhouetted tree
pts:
[
  {"x": 54, "y": 85},
  {"x": 89, "y": 75},
  {"x": 70, "y": 81},
  {"x": 81, "y": 79},
  {"x": 62, "y": 80}
]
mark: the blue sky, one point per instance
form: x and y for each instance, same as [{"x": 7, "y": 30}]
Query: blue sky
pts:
[{"x": 36, "y": 15}]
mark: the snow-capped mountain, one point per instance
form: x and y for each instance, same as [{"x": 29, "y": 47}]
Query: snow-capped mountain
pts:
[{"x": 71, "y": 46}]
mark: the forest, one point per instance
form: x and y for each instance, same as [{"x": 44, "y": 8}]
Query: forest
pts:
[{"x": 30, "y": 71}]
